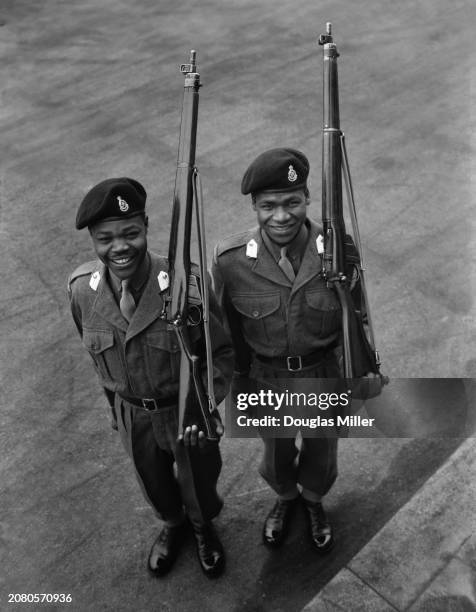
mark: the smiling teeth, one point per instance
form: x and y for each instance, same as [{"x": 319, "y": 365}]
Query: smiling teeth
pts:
[{"x": 122, "y": 261}]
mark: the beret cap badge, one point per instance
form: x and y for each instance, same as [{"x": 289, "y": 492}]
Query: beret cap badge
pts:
[
  {"x": 292, "y": 174},
  {"x": 280, "y": 169},
  {"x": 114, "y": 198},
  {"x": 123, "y": 205}
]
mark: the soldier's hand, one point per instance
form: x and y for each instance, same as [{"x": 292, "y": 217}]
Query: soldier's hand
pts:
[
  {"x": 190, "y": 436},
  {"x": 369, "y": 386},
  {"x": 194, "y": 437},
  {"x": 377, "y": 382},
  {"x": 220, "y": 430}
]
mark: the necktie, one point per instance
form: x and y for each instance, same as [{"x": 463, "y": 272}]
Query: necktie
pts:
[
  {"x": 127, "y": 304},
  {"x": 285, "y": 265}
]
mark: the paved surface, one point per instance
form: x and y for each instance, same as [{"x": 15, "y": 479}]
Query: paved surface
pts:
[
  {"x": 91, "y": 90},
  {"x": 424, "y": 557}
]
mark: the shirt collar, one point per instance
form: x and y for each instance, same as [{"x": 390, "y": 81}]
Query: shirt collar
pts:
[
  {"x": 295, "y": 248},
  {"x": 136, "y": 282}
]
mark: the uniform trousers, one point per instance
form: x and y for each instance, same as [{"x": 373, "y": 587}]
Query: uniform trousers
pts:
[
  {"x": 313, "y": 466},
  {"x": 172, "y": 477},
  {"x": 284, "y": 465}
]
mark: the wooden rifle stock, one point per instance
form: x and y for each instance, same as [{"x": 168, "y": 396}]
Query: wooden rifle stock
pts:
[
  {"x": 196, "y": 403},
  {"x": 359, "y": 354}
]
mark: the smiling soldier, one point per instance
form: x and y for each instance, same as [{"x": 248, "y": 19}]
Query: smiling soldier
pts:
[
  {"x": 285, "y": 324},
  {"x": 116, "y": 303}
]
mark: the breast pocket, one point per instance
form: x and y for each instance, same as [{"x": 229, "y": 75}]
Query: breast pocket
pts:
[
  {"x": 324, "y": 313},
  {"x": 100, "y": 344},
  {"x": 162, "y": 361},
  {"x": 257, "y": 310}
]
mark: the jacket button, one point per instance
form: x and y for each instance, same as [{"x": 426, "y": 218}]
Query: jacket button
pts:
[{"x": 255, "y": 313}]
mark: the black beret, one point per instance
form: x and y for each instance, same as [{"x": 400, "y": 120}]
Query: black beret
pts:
[
  {"x": 114, "y": 198},
  {"x": 276, "y": 170}
]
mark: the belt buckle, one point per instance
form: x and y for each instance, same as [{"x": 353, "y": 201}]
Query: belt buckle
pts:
[
  {"x": 290, "y": 363},
  {"x": 149, "y": 404}
]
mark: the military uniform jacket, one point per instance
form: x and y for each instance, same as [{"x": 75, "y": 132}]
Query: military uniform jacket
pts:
[
  {"x": 267, "y": 313},
  {"x": 141, "y": 358}
]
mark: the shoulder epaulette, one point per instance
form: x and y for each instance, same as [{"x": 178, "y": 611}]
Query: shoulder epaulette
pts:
[
  {"x": 316, "y": 227},
  {"x": 161, "y": 259},
  {"x": 234, "y": 241},
  {"x": 83, "y": 270}
]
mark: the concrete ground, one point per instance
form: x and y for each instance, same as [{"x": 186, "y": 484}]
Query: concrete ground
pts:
[
  {"x": 91, "y": 90},
  {"x": 423, "y": 559}
]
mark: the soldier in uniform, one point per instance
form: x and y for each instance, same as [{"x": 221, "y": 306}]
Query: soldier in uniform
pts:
[
  {"x": 285, "y": 323},
  {"x": 116, "y": 301}
]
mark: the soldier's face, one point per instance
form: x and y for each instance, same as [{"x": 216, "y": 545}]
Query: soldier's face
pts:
[
  {"x": 281, "y": 214},
  {"x": 121, "y": 244}
]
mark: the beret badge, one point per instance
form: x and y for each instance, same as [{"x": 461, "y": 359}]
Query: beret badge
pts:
[
  {"x": 123, "y": 205},
  {"x": 281, "y": 169},
  {"x": 113, "y": 198}
]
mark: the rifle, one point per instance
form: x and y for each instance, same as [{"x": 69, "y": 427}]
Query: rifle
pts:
[
  {"x": 359, "y": 353},
  {"x": 194, "y": 399}
]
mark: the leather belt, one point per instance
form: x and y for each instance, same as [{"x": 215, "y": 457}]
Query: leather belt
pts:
[
  {"x": 151, "y": 404},
  {"x": 295, "y": 363}
]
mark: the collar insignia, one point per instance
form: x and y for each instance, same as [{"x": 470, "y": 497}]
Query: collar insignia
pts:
[
  {"x": 320, "y": 244},
  {"x": 252, "y": 249},
  {"x": 94, "y": 280},
  {"x": 163, "y": 279}
]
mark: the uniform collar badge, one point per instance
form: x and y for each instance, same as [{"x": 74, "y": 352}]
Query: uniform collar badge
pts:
[
  {"x": 123, "y": 205},
  {"x": 94, "y": 280},
  {"x": 292, "y": 174},
  {"x": 252, "y": 249},
  {"x": 163, "y": 279},
  {"x": 320, "y": 244}
]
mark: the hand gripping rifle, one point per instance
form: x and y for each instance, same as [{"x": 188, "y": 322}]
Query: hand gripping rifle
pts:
[
  {"x": 359, "y": 353},
  {"x": 195, "y": 401}
]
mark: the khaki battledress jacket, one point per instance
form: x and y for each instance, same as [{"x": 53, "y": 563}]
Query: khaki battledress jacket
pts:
[
  {"x": 140, "y": 359},
  {"x": 268, "y": 314}
]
